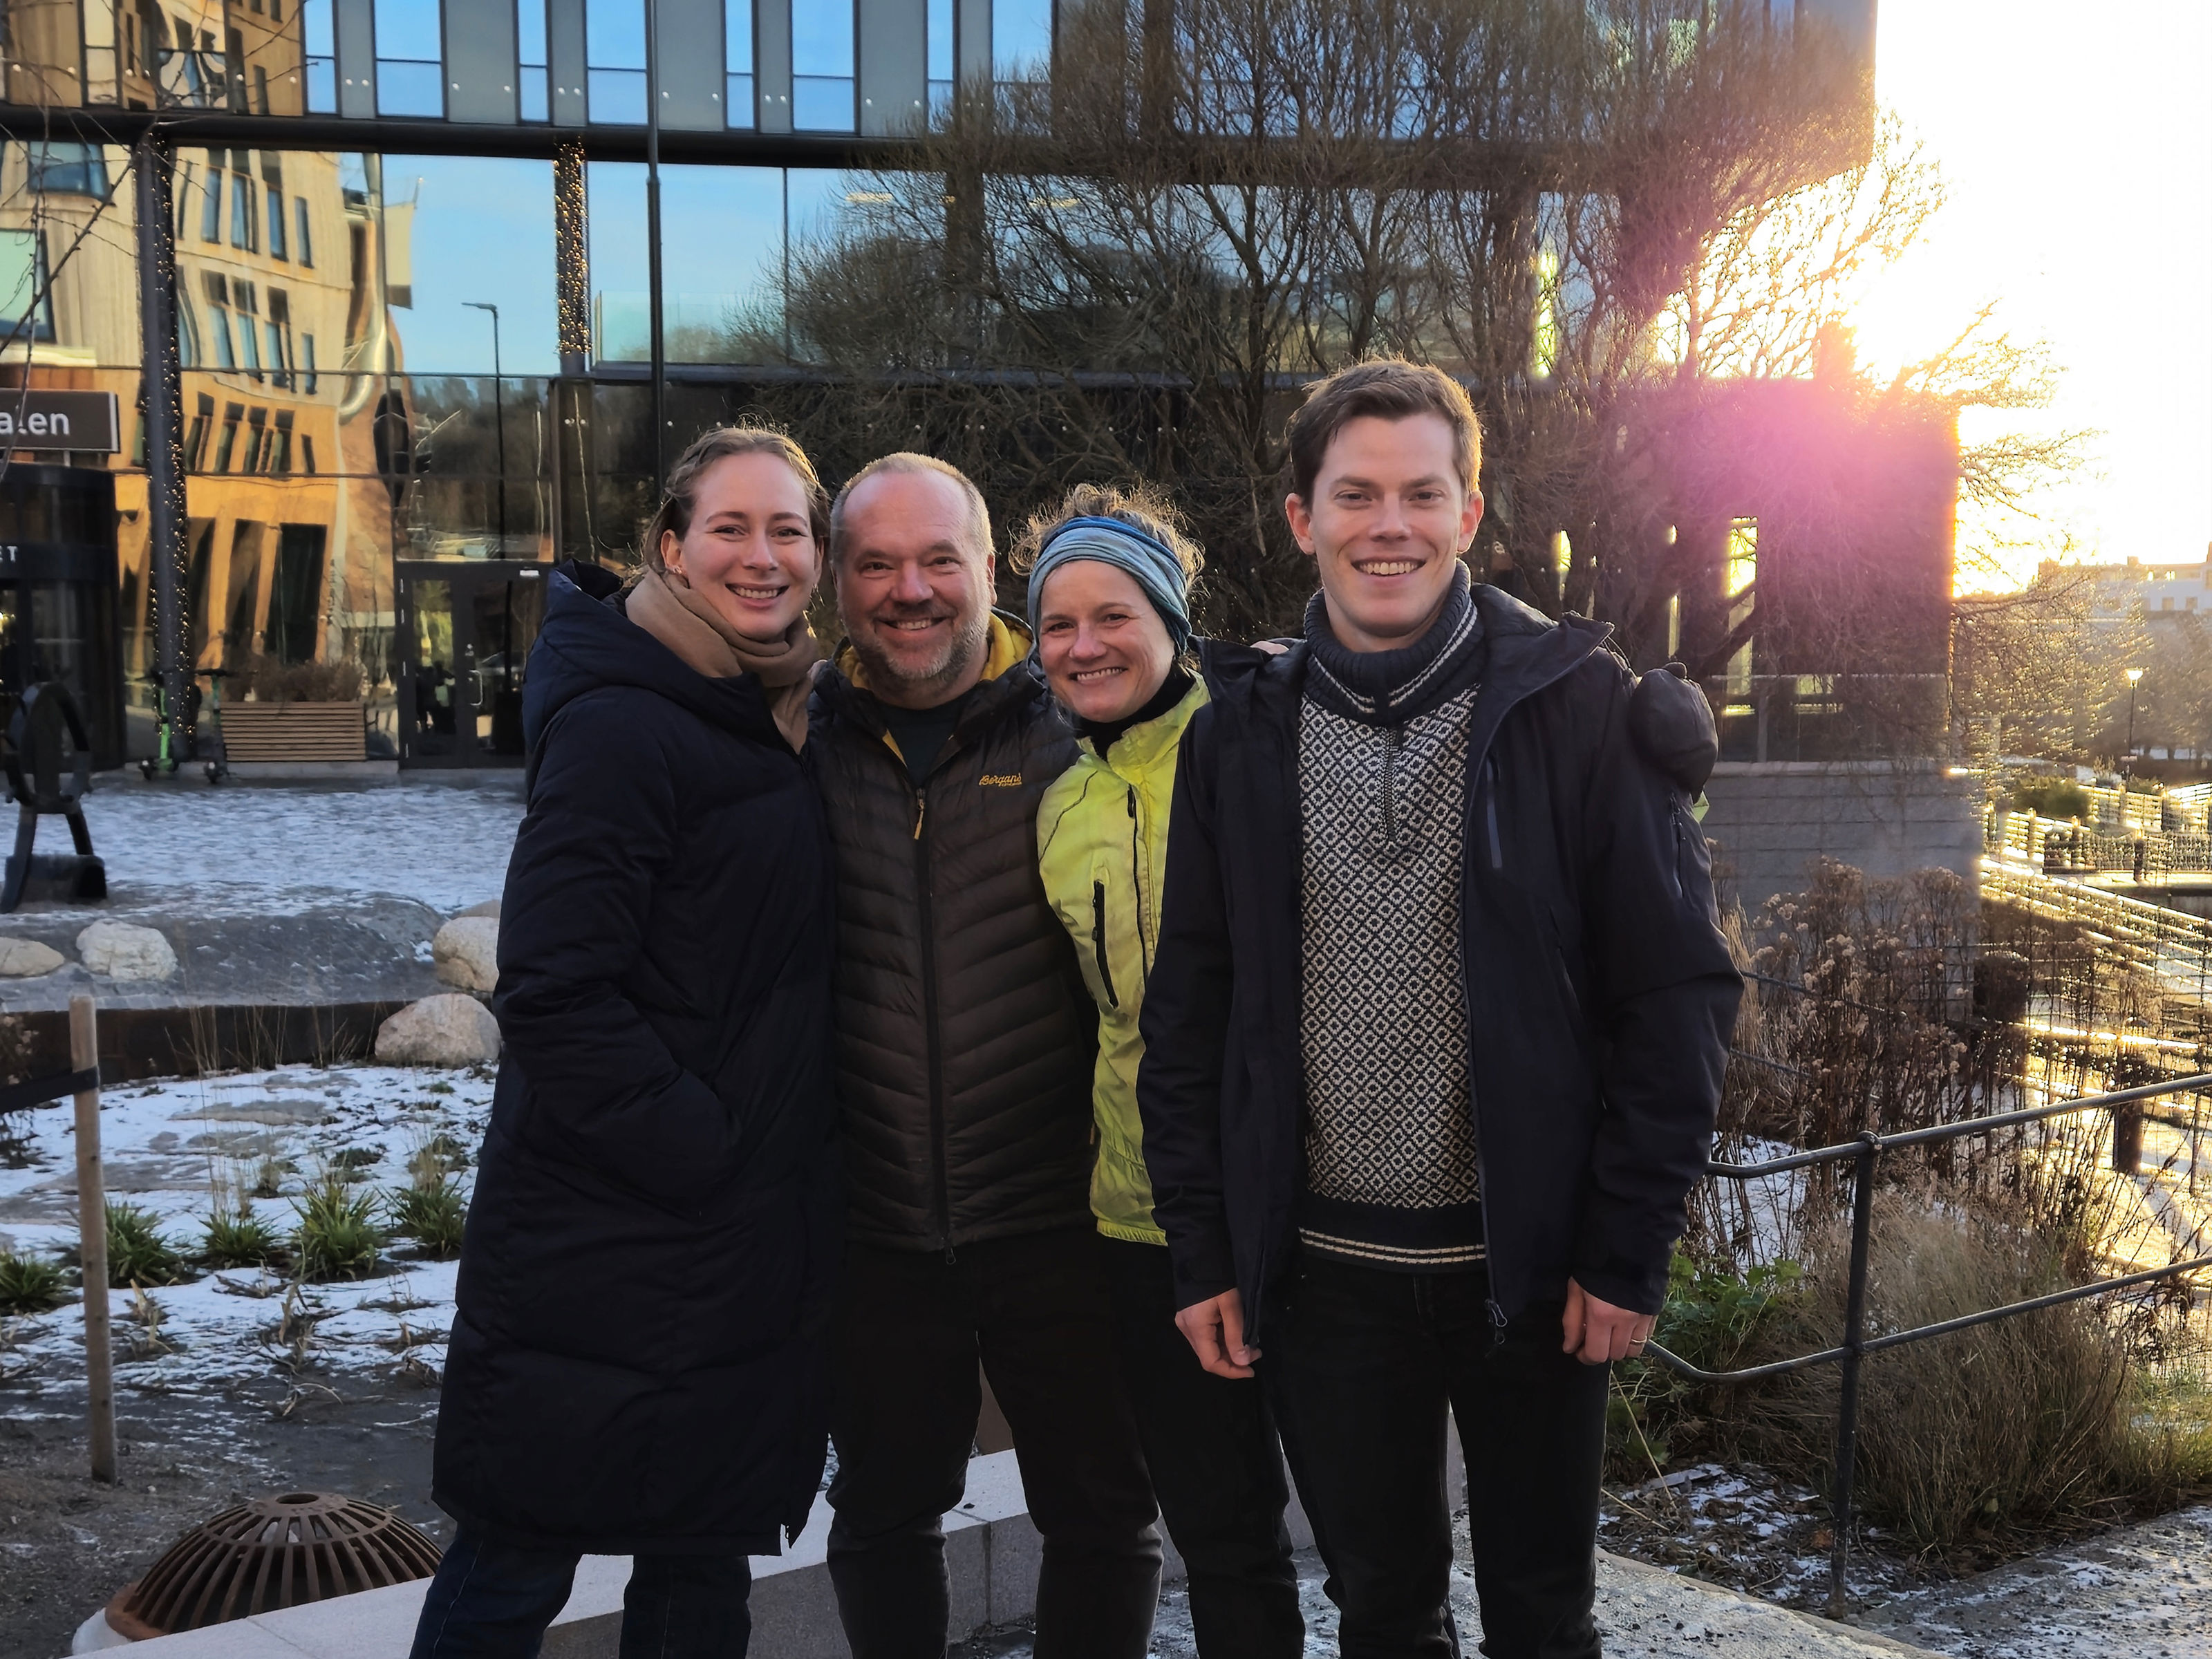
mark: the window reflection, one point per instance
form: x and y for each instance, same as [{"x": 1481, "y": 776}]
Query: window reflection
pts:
[
  {"x": 737, "y": 62},
  {"x": 532, "y": 60},
  {"x": 821, "y": 74},
  {"x": 411, "y": 76},
  {"x": 614, "y": 59}
]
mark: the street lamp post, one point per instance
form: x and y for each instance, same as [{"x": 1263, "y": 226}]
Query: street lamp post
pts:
[
  {"x": 498, "y": 415},
  {"x": 2128, "y": 766}
]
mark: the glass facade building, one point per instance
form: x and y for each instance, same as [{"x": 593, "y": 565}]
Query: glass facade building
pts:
[
  {"x": 413, "y": 303},
  {"x": 388, "y": 426}
]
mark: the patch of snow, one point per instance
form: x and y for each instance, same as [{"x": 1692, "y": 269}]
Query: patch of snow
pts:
[{"x": 165, "y": 1145}]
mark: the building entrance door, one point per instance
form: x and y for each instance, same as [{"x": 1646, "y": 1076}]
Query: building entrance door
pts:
[{"x": 466, "y": 630}]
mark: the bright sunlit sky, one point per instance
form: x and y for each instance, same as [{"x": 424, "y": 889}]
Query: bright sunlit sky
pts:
[{"x": 2077, "y": 140}]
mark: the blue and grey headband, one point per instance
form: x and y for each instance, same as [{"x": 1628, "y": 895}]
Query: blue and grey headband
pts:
[{"x": 1154, "y": 565}]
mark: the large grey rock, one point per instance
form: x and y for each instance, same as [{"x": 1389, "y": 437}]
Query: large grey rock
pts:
[
  {"x": 466, "y": 952},
  {"x": 119, "y": 949},
  {"x": 22, "y": 958},
  {"x": 441, "y": 1030}
]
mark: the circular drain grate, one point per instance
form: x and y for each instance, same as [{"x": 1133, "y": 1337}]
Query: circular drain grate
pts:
[{"x": 273, "y": 1552}]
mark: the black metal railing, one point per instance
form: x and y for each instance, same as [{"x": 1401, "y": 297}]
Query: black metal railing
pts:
[{"x": 1851, "y": 1353}]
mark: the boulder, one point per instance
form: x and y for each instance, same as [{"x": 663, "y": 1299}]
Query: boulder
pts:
[
  {"x": 466, "y": 950},
  {"x": 452, "y": 1029},
  {"x": 22, "y": 958},
  {"x": 121, "y": 950},
  {"x": 488, "y": 907}
]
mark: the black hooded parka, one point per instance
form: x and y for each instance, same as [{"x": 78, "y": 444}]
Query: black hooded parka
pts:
[
  {"x": 636, "y": 1361},
  {"x": 1596, "y": 985}
]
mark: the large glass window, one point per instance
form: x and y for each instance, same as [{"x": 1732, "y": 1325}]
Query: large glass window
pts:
[
  {"x": 272, "y": 179},
  {"x": 410, "y": 72},
  {"x": 483, "y": 230},
  {"x": 737, "y": 62},
  {"x": 322, "y": 58},
  {"x": 822, "y": 95},
  {"x": 68, "y": 169},
  {"x": 532, "y": 60},
  {"x": 721, "y": 264},
  {"x": 619, "y": 323},
  {"x": 304, "y": 237},
  {"x": 245, "y": 233},
  {"x": 1021, "y": 41},
  {"x": 218, "y": 298},
  {"x": 211, "y": 199},
  {"x": 941, "y": 61},
  {"x": 614, "y": 60},
  {"x": 23, "y": 285}
]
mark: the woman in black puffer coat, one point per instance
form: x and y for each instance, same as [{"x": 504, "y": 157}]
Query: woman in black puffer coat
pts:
[{"x": 636, "y": 1368}]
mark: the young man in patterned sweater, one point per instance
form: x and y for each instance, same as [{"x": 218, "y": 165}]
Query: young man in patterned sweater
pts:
[{"x": 1434, "y": 1037}]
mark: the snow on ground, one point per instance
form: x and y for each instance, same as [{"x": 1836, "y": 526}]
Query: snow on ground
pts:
[
  {"x": 257, "y": 847},
  {"x": 164, "y": 1144}
]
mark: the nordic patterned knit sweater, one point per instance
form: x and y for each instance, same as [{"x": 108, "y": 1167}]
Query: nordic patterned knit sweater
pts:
[{"x": 1389, "y": 1127}]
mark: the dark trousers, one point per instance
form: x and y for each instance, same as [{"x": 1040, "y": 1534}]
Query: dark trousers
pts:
[
  {"x": 493, "y": 1601},
  {"x": 909, "y": 1329},
  {"x": 1361, "y": 1366},
  {"x": 1216, "y": 1469}
]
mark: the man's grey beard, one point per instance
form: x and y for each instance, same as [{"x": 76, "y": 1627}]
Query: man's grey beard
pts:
[{"x": 963, "y": 648}]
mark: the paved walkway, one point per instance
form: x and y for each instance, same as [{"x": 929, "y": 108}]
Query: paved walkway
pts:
[
  {"x": 2136, "y": 1592},
  {"x": 1642, "y": 1613},
  {"x": 316, "y": 894}
]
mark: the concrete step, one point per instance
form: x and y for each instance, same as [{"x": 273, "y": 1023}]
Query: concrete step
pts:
[{"x": 993, "y": 1551}]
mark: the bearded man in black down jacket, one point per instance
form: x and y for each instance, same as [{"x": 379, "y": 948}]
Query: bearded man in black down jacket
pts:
[
  {"x": 1434, "y": 1036},
  {"x": 965, "y": 1044}
]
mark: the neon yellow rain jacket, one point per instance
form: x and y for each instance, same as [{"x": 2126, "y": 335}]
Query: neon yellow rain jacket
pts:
[{"x": 1102, "y": 847}]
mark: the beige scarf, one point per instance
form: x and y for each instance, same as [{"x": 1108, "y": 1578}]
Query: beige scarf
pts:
[{"x": 665, "y": 605}]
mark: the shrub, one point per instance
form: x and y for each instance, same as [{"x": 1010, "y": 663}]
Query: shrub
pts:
[
  {"x": 337, "y": 1236},
  {"x": 137, "y": 1252},
  {"x": 270, "y": 679},
  {"x": 2051, "y": 798},
  {"x": 431, "y": 1211},
  {"x": 1715, "y": 1318},
  {"x": 29, "y": 1284},
  {"x": 236, "y": 1238},
  {"x": 2024, "y": 1423}
]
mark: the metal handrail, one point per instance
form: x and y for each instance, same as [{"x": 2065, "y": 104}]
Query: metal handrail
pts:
[{"x": 1856, "y": 1345}]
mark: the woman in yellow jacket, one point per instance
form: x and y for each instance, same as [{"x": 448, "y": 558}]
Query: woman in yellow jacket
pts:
[{"x": 1109, "y": 578}]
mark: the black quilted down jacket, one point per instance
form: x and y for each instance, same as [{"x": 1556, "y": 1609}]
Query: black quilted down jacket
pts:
[{"x": 965, "y": 1038}]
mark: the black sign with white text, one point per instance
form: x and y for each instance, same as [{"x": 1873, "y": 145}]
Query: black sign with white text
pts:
[{"x": 58, "y": 420}]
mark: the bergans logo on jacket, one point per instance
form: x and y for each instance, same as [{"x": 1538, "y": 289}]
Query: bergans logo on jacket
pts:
[
  {"x": 1103, "y": 846},
  {"x": 964, "y": 1037}
]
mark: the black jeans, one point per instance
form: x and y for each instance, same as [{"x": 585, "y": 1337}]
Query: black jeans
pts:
[
  {"x": 1216, "y": 1469},
  {"x": 493, "y": 1601},
  {"x": 909, "y": 1328},
  {"x": 1362, "y": 1366}
]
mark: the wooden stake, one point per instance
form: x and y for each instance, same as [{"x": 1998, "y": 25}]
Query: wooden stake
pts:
[{"x": 92, "y": 1239}]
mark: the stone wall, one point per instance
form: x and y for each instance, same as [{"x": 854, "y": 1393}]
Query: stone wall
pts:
[{"x": 1767, "y": 820}]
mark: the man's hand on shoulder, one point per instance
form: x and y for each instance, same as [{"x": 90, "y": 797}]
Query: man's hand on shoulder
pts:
[
  {"x": 1596, "y": 1332},
  {"x": 1215, "y": 1330}
]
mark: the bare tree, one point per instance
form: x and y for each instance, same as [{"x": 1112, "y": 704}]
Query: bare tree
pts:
[{"x": 1607, "y": 220}]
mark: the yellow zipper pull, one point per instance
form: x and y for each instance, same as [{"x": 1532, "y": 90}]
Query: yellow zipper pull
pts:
[{"x": 921, "y": 811}]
